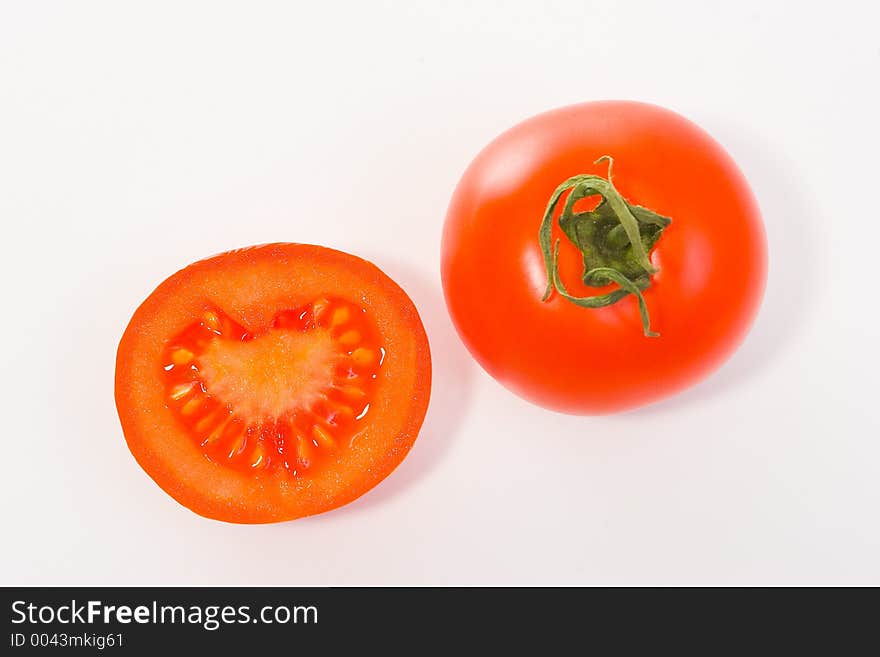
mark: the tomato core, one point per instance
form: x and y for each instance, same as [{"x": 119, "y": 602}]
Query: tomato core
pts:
[{"x": 289, "y": 397}]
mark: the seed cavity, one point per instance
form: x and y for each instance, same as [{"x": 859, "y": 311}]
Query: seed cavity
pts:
[{"x": 295, "y": 429}]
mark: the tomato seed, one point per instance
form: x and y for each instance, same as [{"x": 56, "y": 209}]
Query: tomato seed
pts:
[
  {"x": 211, "y": 320},
  {"x": 363, "y": 357},
  {"x": 323, "y": 437},
  {"x": 192, "y": 405},
  {"x": 349, "y": 338},
  {"x": 340, "y": 316},
  {"x": 180, "y": 391},
  {"x": 182, "y": 356}
]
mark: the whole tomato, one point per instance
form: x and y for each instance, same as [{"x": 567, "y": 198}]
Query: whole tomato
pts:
[{"x": 590, "y": 288}]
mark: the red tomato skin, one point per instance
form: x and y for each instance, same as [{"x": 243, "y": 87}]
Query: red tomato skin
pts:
[{"x": 712, "y": 259}]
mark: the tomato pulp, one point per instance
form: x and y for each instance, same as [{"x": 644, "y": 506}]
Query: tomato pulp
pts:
[
  {"x": 699, "y": 283},
  {"x": 273, "y": 382}
]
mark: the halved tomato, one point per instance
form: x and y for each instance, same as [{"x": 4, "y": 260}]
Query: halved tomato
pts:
[{"x": 273, "y": 382}]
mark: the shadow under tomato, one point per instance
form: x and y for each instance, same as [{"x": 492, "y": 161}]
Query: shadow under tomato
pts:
[
  {"x": 792, "y": 227},
  {"x": 452, "y": 378}
]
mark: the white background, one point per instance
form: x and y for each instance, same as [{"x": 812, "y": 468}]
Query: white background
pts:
[{"x": 138, "y": 137}]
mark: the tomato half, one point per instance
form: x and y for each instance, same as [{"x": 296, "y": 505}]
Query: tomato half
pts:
[
  {"x": 660, "y": 262},
  {"x": 273, "y": 382}
]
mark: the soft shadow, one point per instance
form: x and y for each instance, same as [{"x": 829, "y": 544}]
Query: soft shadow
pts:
[
  {"x": 451, "y": 383},
  {"x": 792, "y": 226}
]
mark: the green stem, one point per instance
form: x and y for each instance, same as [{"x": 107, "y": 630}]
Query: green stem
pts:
[
  {"x": 598, "y": 301},
  {"x": 614, "y": 240}
]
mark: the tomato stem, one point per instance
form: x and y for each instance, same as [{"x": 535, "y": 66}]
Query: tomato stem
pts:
[{"x": 614, "y": 239}]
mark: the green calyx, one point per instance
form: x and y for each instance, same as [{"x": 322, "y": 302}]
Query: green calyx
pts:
[{"x": 614, "y": 239}]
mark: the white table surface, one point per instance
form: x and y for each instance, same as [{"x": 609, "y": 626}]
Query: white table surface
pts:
[{"x": 138, "y": 137}]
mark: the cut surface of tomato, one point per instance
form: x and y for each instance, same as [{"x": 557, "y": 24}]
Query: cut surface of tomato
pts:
[{"x": 271, "y": 383}]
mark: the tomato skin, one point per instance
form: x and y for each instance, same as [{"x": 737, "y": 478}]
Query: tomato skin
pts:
[
  {"x": 254, "y": 285},
  {"x": 712, "y": 259}
]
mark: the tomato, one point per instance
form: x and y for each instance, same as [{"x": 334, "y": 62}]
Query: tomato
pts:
[
  {"x": 273, "y": 382},
  {"x": 661, "y": 259}
]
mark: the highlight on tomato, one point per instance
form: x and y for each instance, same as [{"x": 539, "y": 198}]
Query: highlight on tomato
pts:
[
  {"x": 603, "y": 256},
  {"x": 274, "y": 382}
]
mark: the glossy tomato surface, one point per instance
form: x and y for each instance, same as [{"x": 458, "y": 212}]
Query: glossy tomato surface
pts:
[
  {"x": 273, "y": 382},
  {"x": 712, "y": 259}
]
